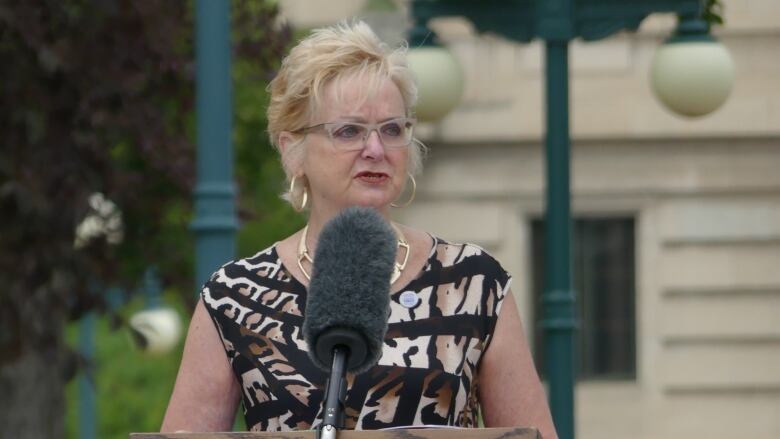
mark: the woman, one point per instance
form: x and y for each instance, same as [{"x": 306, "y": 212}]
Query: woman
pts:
[{"x": 341, "y": 117}]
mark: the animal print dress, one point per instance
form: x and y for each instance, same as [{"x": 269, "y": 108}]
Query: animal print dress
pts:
[{"x": 439, "y": 327}]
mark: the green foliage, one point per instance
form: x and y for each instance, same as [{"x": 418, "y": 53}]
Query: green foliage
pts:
[
  {"x": 99, "y": 98},
  {"x": 713, "y": 12},
  {"x": 132, "y": 388},
  {"x": 96, "y": 100},
  {"x": 266, "y": 218}
]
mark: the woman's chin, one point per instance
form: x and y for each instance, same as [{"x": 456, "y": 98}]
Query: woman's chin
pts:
[
  {"x": 374, "y": 204},
  {"x": 379, "y": 203}
]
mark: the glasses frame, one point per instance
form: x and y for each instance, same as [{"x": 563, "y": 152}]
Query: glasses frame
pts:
[{"x": 328, "y": 128}]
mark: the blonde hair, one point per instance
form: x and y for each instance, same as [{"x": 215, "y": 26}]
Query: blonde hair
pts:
[{"x": 348, "y": 50}]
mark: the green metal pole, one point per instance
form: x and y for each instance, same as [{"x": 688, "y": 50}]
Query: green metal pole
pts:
[
  {"x": 558, "y": 298},
  {"x": 215, "y": 221}
]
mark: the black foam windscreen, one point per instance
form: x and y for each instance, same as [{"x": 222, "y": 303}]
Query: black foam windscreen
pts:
[{"x": 349, "y": 293}]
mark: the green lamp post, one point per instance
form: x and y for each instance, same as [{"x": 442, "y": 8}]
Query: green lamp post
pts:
[
  {"x": 215, "y": 222},
  {"x": 558, "y": 22}
]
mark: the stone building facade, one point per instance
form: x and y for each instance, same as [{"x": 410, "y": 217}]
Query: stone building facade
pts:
[{"x": 702, "y": 197}]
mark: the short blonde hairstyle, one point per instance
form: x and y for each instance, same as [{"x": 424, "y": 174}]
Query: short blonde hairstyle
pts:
[{"x": 338, "y": 53}]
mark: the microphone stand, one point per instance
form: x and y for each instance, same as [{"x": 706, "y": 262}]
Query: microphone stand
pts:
[{"x": 335, "y": 394}]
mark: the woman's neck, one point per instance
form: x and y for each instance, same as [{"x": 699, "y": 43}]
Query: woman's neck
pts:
[{"x": 317, "y": 220}]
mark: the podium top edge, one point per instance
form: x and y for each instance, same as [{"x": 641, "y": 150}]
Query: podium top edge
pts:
[{"x": 409, "y": 433}]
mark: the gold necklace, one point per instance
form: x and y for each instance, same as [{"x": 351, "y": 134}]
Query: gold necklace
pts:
[{"x": 303, "y": 253}]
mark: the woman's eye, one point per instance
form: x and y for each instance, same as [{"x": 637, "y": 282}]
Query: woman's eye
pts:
[
  {"x": 392, "y": 129},
  {"x": 347, "y": 132}
]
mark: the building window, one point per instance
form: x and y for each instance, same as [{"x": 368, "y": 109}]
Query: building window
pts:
[{"x": 603, "y": 275}]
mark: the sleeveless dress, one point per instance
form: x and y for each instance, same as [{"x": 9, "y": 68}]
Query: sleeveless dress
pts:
[{"x": 428, "y": 371}]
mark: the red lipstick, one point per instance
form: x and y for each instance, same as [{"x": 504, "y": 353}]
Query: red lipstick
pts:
[{"x": 371, "y": 177}]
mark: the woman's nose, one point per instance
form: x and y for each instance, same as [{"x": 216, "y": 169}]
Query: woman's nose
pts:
[{"x": 373, "y": 147}]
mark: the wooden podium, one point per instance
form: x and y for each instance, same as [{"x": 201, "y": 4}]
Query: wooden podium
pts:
[{"x": 411, "y": 433}]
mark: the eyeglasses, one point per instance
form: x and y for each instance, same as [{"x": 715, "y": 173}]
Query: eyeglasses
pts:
[{"x": 352, "y": 136}]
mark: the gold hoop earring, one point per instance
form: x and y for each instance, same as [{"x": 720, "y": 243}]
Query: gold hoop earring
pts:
[
  {"x": 414, "y": 191},
  {"x": 292, "y": 196}
]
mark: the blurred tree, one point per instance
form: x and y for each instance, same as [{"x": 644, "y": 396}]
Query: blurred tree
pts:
[
  {"x": 712, "y": 12},
  {"x": 96, "y": 121}
]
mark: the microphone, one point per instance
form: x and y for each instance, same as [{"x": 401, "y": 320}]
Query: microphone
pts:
[{"x": 348, "y": 301}]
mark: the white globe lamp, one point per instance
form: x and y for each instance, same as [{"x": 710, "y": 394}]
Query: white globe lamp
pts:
[
  {"x": 439, "y": 81},
  {"x": 692, "y": 74},
  {"x": 156, "y": 330}
]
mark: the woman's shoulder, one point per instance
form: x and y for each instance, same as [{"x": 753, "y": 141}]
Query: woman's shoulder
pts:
[
  {"x": 450, "y": 253},
  {"x": 447, "y": 252},
  {"x": 466, "y": 278},
  {"x": 257, "y": 260},
  {"x": 247, "y": 273},
  {"x": 268, "y": 255}
]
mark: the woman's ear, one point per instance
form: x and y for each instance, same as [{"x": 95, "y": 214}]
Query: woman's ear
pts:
[
  {"x": 290, "y": 153},
  {"x": 285, "y": 140}
]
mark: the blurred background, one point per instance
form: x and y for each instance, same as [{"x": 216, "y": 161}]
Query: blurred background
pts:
[{"x": 676, "y": 220}]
